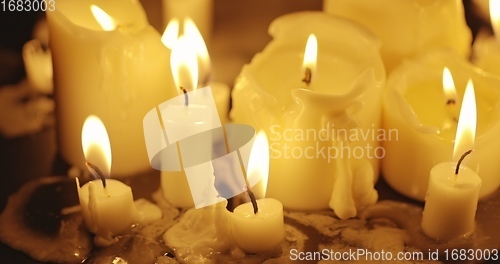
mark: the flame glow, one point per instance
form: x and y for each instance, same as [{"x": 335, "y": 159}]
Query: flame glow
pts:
[
  {"x": 184, "y": 64},
  {"x": 195, "y": 38},
  {"x": 310, "y": 54},
  {"x": 495, "y": 17},
  {"x": 105, "y": 20},
  {"x": 466, "y": 129},
  {"x": 258, "y": 163},
  {"x": 450, "y": 93},
  {"x": 171, "y": 33},
  {"x": 95, "y": 144}
]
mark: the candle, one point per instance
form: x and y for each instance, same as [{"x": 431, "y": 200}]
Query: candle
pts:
[
  {"x": 220, "y": 91},
  {"x": 414, "y": 109},
  {"x": 302, "y": 119},
  {"x": 200, "y": 11},
  {"x": 264, "y": 230},
  {"x": 451, "y": 201},
  {"x": 486, "y": 49},
  {"x": 38, "y": 66},
  {"x": 108, "y": 210},
  {"x": 117, "y": 73},
  {"x": 408, "y": 28}
]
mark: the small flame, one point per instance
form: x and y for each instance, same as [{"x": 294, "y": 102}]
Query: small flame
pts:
[
  {"x": 310, "y": 54},
  {"x": 184, "y": 64},
  {"x": 495, "y": 17},
  {"x": 105, "y": 20},
  {"x": 466, "y": 129},
  {"x": 171, "y": 33},
  {"x": 95, "y": 144},
  {"x": 450, "y": 93},
  {"x": 258, "y": 163},
  {"x": 194, "y": 36}
]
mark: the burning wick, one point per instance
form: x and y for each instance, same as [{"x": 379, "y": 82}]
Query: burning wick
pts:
[
  {"x": 450, "y": 94},
  {"x": 186, "y": 97},
  {"x": 308, "y": 76},
  {"x": 253, "y": 200},
  {"x": 94, "y": 170},
  {"x": 461, "y": 159},
  {"x": 451, "y": 105}
]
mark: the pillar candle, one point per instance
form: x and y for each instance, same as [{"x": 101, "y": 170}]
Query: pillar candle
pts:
[
  {"x": 200, "y": 11},
  {"x": 117, "y": 74},
  {"x": 408, "y": 27},
  {"x": 344, "y": 93},
  {"x": 415, "y": 113},
  {"x": 486, "y": 48}
]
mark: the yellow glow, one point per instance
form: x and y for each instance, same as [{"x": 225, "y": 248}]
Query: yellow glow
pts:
[
  {"x": 495, "y": 17},
  {"x": 184, "y": 64},
  {"x": 95, "y": 144},
  {"x": 258, "y": 163},
  {"x": 171, "y": 33},
  {"x": 194, "y": 36},
  {"x": 105, "y": 20},
  {"x": 450, "y": 93},
  {"x": 310, "y": 54},
  {"x": 466, "y": 129}
]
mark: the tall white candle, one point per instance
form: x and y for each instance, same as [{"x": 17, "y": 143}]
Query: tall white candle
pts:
[
  {"x": 486, "y": 48},
  {"x": 117, "y": 74},
  {"x": 453, "y": 192},
  {"x": 200, "y": 11}
]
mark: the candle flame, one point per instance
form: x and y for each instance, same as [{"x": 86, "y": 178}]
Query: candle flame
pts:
[
  {"x": 495, "y": 17},
  {"x": 466, "y": 129},
  {"x": 95, "y": 144},
  {"x": 310, "y": 54},
  {"x": 171, "y": 33},
  {"x": 450, "y": 93},
  {"x": 184, "y": 64},
  {"x": 105, "y": 20},
  {"x": 194, "y": 36},
  {"x": 258, "y": 163}
]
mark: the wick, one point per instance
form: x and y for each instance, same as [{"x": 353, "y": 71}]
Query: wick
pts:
[
  {"x": 186, "y": 97},
  {"x": 253, "y": 200},
  {"x": 307, "y": 78},
  {"x": 94, "y": 170},
  {"x": 461, "y": 159},
  {"x": 451, "y": 102}
]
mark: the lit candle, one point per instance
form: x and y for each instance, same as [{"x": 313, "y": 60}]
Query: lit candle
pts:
[
  {"x": 451, "y": 201},
  {"x": 346, "y": 85},
  {"x": 117, "y": 71},
  {"x": 421, "y": 126},
  {"x": 264, "y": 230},
  {"x": 200, "y": 11},
  {"x": 408, "y": 28},
  {"x": 486, "y": 49},
  {"x": 107, "y": 205}
]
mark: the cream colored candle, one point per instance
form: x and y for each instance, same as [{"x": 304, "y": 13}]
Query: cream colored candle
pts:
[
  {"x": 451, "y": 201},
  {"x": 486, "y": 49},
  {"x": 424, "y": 132},
  {"x": 408, "y": 27},
  {"x": 108, "y": 210},
  {"x": 118, "y": 73},
  {"x": 200, "y": 11},
  {"x": 38, "y": 66},
  {"x": 302, "y": 120}
]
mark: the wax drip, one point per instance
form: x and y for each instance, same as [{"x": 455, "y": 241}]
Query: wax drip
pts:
[
  {"x": 94, "y": 170},
  {"x": 308, "y": 76},
  {"x": 461, "y": 159}
]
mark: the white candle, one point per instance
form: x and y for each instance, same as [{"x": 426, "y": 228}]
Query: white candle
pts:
[
  {"x": 486, "y": 49},
  {"x": 408, "y": 28},
  {"x": 38, "y": 66},
  {"x": 264, "y": 230},
  {"x": 107, "y": 210},
  {"x": 117, "y": 74},
  {"x": 344, "y": 93},
  {"x": 452, "y": 195},
  {"x": 421, "y": 126},
  {"x": 200, "y": 11}
]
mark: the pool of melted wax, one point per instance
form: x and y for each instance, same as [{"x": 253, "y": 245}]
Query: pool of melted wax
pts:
[{"x": 31, "y": 222}]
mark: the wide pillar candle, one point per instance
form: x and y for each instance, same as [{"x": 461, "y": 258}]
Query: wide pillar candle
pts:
[
  {"x": 415, "y": 109},
  {"x": 118, "y": 75},
  {"x": 408, "y": 27},
  {"x": 301, "y": 121}
]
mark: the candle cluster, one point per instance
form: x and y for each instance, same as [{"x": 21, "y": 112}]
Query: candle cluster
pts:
[{"x": 317, "y": 93}]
